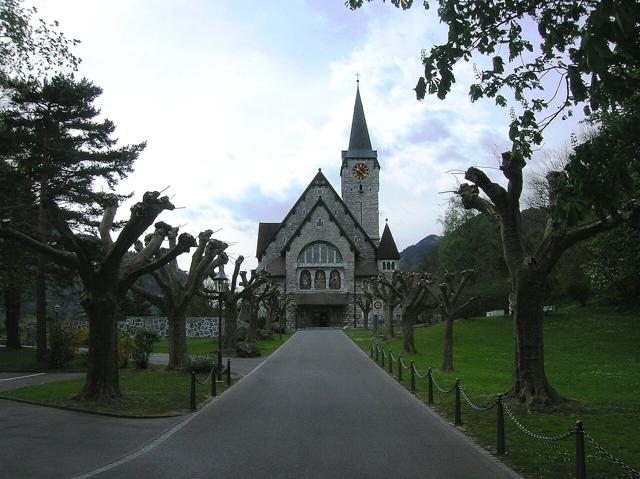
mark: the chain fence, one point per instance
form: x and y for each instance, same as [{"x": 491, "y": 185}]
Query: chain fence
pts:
[{"x": 501, "y": 407}]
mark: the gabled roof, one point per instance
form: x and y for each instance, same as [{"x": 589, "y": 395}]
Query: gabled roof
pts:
[
  {"x": 387, "y": 248},
  {"x": 265, "y": 233},
  {"x": 332, "y": 218},
  {"x": 359, "y": 139},
  {"x": 318, "y": 180}
]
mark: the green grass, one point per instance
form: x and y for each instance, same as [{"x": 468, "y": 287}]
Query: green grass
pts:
[
  {"x": 17, "y": 360},
  {"x": 151, "y": 392},
  {"x": 209, "y": 345},
  {"x": 592, "y": 358}
]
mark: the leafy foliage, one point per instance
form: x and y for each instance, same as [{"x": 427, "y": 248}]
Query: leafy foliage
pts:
[
  {"x": 143, "y": 347},
  {"x": 588, "y": 50},
  {"x": 30, "y": 47},
  {"x": 64, "y": 342}
]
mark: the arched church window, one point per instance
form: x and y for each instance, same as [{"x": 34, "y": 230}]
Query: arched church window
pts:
[
  {"x": 305, "y": 279},
  {"x": 384, "y": 265},
  {"x": 393, "y": 265},
  {"x": 335, "y": 282},
  {"x": 361, "y": 188},
  {"x": 320, "y": 281},
  {"x": 319, "y": 252},
  {"x": 319, "y": 223}
]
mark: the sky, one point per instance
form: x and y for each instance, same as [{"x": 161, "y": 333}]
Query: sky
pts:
[{"x": 241, "y": 103}]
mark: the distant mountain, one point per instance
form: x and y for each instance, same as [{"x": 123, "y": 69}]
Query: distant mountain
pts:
[{"x": 412, "y": 256}]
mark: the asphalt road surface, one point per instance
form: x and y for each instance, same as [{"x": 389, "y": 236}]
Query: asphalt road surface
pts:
[{"x": 317, "y": 408}]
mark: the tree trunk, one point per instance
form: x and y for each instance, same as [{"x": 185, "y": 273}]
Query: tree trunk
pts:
[
  {"x": 268, "y": 324},
  {"x": 12, "y": 296},
  {"x": 388, "y": 320},
  {"x": 408, "y": 319},
  {"x": 41, "y": 266},
  {"x": 252, "y": 331},
  {"x": 102, "y": 383},
  {"x": 447, "y": 356},
  {"x": 230, "y": 326},
  {"x": 530, "y": 383},
  {"x": 365, "y": 319},
  {"x": 375, "y": 326},
  {"x": 177, "y": 340}
]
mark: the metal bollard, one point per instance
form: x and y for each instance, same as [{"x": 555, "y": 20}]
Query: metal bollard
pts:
[
  {"x": 581, "y": 468},
  {"x": 382, "y": 358},
  {"x": 413, "y": 377},
  {"x": 457, "y": 419},
  {"x": 213, "y": 382},
  {"x": 371, "y": 350},
  {"x": 193, "y": 390},
  {"x": 219, "y": 368},
  {"x": 377, "y": 353},
  {"x": 390, "y": 363},
  {"x": 429, "y": 387},
  {"x": 228, "y": 372},
  {"x": 400, "y": 367},
  {"x": 500, "y": 425}
]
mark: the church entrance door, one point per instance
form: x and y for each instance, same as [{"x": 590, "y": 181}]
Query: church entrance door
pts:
[{"x": 320, "y": 319}]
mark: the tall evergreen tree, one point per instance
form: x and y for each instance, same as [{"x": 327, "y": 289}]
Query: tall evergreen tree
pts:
[{"x": 53, "y": 137}]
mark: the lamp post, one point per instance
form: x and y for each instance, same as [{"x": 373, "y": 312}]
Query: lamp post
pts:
[
  {"x": 56, "y": 308},
  {"x": 220, "y": 285}
]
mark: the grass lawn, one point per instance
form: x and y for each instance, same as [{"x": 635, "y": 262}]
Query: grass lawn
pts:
[
  {"x": 17, "y": 360},
  {"x": 591, "y": 357},
  {"x": 151, "y": 392},
  {"x": 209, "y": 345}
]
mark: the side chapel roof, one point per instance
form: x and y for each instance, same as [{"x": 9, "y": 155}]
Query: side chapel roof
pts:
[{"x": 387, "y": 248}]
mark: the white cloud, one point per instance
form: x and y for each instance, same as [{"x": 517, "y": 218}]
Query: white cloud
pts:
[{"x": 245, "y": 100}]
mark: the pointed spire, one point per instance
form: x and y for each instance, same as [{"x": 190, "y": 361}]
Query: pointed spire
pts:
[
  {"x": 387, "y": 248},
  {"x": 359, "y": 139}
]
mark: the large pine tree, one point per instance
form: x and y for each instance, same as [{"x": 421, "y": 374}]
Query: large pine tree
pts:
[{"x": 52, "y": 135}]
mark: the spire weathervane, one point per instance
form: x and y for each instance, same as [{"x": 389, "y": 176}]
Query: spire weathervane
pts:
[{"x": 358, "y": 78}]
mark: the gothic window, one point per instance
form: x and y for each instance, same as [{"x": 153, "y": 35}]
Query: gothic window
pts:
[
  {"x": 320, "y": 281},
  {"x": 320, "y": 253},
  {"x": 319, "y": 223},
  {"x": 393, "y": 265},
  {"x": 305, "y": 279},
  {"x": 384, "y": 265},
  {"x": 284, "y": 239},
  {"x": 335, "y": 282},
  {"x": 355, "y": 238}
]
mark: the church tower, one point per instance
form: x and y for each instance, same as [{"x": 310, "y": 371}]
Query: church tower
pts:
[{"x": 360, "y": 174}]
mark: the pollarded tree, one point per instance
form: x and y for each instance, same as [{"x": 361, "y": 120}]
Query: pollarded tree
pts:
[
  {"x": 105, "y": 277},
  {"x": 413, "y": 295},
  {"x": 269, "y": 298},
  {"x": 231, "y": 297},
  {"x": 529, "y": 270},
  {"x": 253, "y": 300},
  {"x": 390, "y": 300},
  {"x": 448, "y": 297},
  {"x": 177, "y": 289},
  {"x": 364, "y": 301}
]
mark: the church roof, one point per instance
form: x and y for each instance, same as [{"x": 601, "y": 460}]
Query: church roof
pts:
[
  {"x": 265, "y": 233},
  {"x": 359, "y": 139},
  {"x": 332, "y": 218},
  {"x": 268, "y": 231},
  {"x": 387, "y": 248}
]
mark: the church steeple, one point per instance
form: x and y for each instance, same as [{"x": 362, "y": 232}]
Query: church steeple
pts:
[{"x": 359, "y": 139}]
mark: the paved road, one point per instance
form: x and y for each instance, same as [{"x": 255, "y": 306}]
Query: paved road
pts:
[
  {"x": 318, "y": 407},
  {"x": 10, "y": 381}
]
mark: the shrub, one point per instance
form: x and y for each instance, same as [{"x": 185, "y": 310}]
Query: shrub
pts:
[
  {"x": 64, "y": 343},
  {"x": 125, "y": 348},
  {"x": 242, "y": 334},
  {"x": 580, "y": 292},
  {"x": 262, "y": 334},
  {"x": 143, "y": 346},
  {"x": 200, "y": 363}
]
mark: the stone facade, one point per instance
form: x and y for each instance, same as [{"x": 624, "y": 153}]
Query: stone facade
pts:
[{"x": 196, "y": 327}]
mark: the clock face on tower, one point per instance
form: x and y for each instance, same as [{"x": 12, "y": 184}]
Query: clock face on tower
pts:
[{"x": 360, "y": 171}]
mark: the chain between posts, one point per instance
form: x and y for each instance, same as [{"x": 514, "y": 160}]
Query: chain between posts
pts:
[
  {"x": 578, "y": 431},
  {"x": 532, "y": 434},
  {"x": 633, "y": 472}
]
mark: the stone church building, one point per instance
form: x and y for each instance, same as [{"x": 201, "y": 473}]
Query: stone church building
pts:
[{"x": 329, "y": 244}]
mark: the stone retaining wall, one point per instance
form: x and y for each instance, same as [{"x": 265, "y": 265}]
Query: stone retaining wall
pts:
[{"x": 196, "y": 327}]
